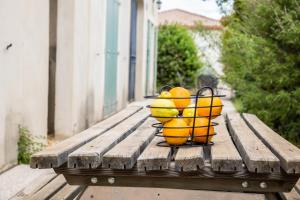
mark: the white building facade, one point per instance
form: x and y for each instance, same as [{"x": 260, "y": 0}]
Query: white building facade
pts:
[{"x": 68, "y": 64}]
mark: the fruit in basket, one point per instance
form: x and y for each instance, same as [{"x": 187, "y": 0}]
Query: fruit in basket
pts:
[
  {"x": 175, "y": 127},
  {"x": 189, "y": 112},
  {"x": 206, "y": 101},
  {"x": 165, "y": 111},
  {"x": 180, "y": 92},
  {"x": 165, "y": 94},
  {"x": 202, "y": 131}
]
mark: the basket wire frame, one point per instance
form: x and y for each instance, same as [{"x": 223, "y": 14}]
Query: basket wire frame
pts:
[{"x": 190, "y": 139}]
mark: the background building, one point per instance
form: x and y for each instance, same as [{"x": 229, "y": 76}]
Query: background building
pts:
[
  {"x": 188, "y": 19},
  {"x": 67, "y": 64}
]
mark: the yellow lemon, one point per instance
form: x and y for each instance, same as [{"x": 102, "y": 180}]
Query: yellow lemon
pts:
[
  {"x": 162, "y": 109},
  {"x": 189, "y": 112},
  {"x": 166, "y": 94}
]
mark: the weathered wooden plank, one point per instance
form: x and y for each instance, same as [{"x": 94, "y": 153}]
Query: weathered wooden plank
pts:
[
  {"x": 125, "y": 154},
  {"x": 288, "y": 154},
  {"x": 297, "y": 186},
  {"x": 67, "y": 192},
  {"x": 50, "y": 189},
  {"x": 91, "y": 154},
  {"x": 202, "y": 179},
  {"x": 57, "y": 154},
  {"x": 34, "y": 186},
  {"x": 292, "y": 195},
  {"x": 224, "y": 155},
  {"x": 257, "y": 157},
  {"x": 154, "y": 157},
  {"x": 210, "y": 182},
  {"x": 189, "y": 158}
]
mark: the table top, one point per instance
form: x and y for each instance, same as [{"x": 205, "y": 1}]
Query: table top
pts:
[{"x": 122, "y": 151}]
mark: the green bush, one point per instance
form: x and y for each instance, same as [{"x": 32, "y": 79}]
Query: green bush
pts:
[
  {"x": 261, "y": 54},
  {"x": 27, "y": 146},
  {"x": 178, "y": 61}
]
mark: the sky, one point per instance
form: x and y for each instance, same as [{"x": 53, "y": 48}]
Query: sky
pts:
[{"x": 207, "y": 8}]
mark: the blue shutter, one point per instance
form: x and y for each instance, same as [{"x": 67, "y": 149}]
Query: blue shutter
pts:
[
  {"x": 148, "y": 58},
  {"x": 111, "y": 57},
  {"x": 155, "y": 58}
]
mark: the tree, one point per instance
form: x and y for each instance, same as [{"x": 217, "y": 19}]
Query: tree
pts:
[
  {"x": 261, "y": 48},
  {"x": 178, "y": 60}
]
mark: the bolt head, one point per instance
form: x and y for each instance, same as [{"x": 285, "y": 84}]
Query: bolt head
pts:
[
  {"x": 245, "y": 184},
  {"x": 111, "y": 180},
  {"x": 94, "y": 180},
  {"x": 263, "y": 185}
]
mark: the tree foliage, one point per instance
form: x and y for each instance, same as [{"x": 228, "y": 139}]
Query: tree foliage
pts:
[
  {"x": 261, "y": 53},
  {"x": 178, "y": 60}
]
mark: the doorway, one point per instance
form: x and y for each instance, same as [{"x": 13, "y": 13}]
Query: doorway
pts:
[
  {"x": 52, "y": 65},
  {"x": 132, "y": 56}
]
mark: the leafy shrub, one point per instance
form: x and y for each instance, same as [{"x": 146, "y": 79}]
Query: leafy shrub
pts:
[
  {"x": 27, "y": 146},
  {"x": 178, "y": 61},
  {"x": 261, "y": 48}
]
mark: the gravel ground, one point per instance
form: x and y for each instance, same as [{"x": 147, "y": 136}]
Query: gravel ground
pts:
[
  {"x": 125, "y": 193},
  {"x": 228, "y": 106},
  {"x": 15, "y": 179}
]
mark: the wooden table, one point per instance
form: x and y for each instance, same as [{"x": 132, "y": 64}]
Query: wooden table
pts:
[{"x": 121, "y": 151}]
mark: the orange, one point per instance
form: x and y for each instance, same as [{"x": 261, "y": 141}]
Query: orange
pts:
[
  {"x": 202, "y": 131},
  {"x": 181, "y": 92},
  {"x": 204, "y": 112},
  {"x": 183, "y": 133}
]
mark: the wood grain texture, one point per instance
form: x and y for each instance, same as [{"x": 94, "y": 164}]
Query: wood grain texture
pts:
[
  {"x": 67, "y": 192},
  {"x": 288, "y": 154},
  {"x": 50, "y": 189},
  {"x": 257, "y": 157},
  {"x": 189, "y": 158},
  {"x": 204, "y": 178},
  {"x": 181, "y": 180},
  {"x": 34, "y": 186},
  {"x": 57, "y": 154},
  {"x": 125, "y": 154},
  {"x": 224, "y": 155},
  {"x": 91, "y": 154},
  {"x": 154, "y": 157}
]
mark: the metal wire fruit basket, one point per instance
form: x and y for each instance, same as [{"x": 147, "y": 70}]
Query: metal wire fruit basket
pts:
[{"x": 192, "y": 139}]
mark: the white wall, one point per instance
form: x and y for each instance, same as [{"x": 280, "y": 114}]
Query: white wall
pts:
[
  {"x": 140, "y": 75},
  {"x": 81, "y": 61},
  {"x": 80, "y": 65},
  {"x": 64, "y": 68},
  {"x": 124, "y": 51},
  {"x": 24, "y": 72},
  {"x": 147, "y": 10},
  {"x": 97, "y": 60}
]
